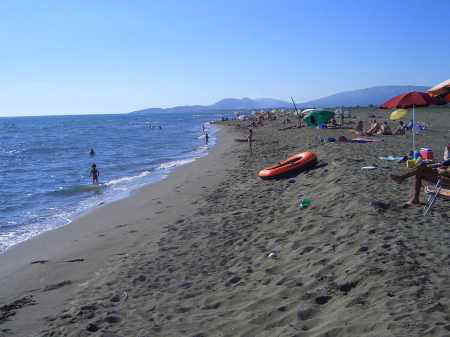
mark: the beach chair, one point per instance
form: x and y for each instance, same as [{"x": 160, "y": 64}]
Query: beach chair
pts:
[{"x": 433, "y": 192}]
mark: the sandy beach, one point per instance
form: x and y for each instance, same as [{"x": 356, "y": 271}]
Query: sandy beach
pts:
[{"x": 213, "y": 250}]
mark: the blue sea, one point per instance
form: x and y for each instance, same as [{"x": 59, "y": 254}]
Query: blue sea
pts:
[{"x": 45, "y": 163}]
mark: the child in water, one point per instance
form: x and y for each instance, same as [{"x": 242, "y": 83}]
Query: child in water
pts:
[{"x": 94, "y": 174}]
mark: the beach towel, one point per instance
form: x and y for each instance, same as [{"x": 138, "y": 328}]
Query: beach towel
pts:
[
  {"x": 365, "y": 140},
  {"x": 392, "y": 158}
]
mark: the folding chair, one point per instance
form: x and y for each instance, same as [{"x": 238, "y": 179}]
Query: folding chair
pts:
[{"x": 433, "y": 192}]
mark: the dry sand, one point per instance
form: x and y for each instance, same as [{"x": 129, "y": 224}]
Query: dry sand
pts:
[{"x": 216, "y": 251}]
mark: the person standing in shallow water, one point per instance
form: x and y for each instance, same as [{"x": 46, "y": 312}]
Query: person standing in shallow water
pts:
[
  {"x": 206, "y": 137},
  {"x": 94, "y": 174}
]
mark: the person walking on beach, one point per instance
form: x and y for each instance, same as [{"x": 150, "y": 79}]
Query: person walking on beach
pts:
[
  {"x": 250, "y": 139},
  {"x": 341, "y": 118},
  {"x": 206, "y": 137},
  {"x": 299, "y": 119},
  {"x": 94, "y": 174}
]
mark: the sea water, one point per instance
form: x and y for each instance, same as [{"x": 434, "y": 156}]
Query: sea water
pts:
[{"x": 45, "y": 163}]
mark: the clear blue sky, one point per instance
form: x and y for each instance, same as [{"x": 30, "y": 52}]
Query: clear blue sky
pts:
[{"x": 106, "y": 56}]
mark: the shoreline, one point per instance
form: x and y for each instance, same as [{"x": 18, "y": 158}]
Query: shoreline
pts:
[
  {"x": 89, "y": 239},
  {"x": 162, "y": 172}
]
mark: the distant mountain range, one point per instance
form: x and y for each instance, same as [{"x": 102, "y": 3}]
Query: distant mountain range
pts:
[
  {"x": 248, "y": 103},
  {"x": 361, "y": 97},
  {"x": 225, "y": 104}
]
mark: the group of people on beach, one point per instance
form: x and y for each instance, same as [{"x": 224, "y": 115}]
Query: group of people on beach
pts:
[
  {"x": 379, "y": 128},
  {"x": 425, "y": 172}
]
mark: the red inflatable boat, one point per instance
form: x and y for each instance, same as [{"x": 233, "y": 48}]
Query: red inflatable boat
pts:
[{"x": 293, "y": 163}]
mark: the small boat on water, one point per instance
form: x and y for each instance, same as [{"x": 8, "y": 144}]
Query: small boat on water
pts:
[{"x": 296, "y": 162}]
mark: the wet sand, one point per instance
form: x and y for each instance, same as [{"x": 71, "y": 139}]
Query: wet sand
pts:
[{"x": 215, "y": 251}]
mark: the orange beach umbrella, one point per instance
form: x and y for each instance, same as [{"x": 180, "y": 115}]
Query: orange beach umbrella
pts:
[{"x": 408, "y": 100}]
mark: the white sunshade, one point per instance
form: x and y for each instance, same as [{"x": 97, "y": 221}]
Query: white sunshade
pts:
[
  {"x": 440, "y": 86},
  {"x": 307, "y": 111}
]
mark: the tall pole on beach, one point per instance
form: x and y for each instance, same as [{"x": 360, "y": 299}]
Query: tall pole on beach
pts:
[{"x": 294, "y": 105}]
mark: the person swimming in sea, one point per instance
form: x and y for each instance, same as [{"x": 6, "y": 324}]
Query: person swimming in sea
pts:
[
  {"x": 92, "y": 152},
  {"x": 94, "y": 174}
]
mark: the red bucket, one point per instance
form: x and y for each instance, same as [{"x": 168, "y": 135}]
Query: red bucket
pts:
[{"x": 426, "y": 153}]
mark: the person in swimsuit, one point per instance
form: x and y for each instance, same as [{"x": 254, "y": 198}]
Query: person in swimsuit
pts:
[
  {"x": 341, "y": 119},
  {"x": 206, "y": 137},
  {"x": 400, "y": 129},
  {"x": 92, "y": 152},
  {"x": 332, "y": 123},
  {"x": 250, "y": 139},
  {"x": 384, "y": 129},
  {"x": 94, "y": 174},
  {"x": 374, "y": 128},
  {"x": 429, "y": 173},
  {"x": 360, "y": 128}
]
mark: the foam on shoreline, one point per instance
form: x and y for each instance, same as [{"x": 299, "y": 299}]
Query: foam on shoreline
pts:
[{"x": 104, "y": 193}]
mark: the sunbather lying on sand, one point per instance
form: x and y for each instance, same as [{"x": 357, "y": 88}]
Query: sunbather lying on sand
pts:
[
  {"x": 332, "y": 124},
  {"x": 374, "y": 128},
  {"x": 427, "y": 173},
  {"x": 384, "y": 129}
]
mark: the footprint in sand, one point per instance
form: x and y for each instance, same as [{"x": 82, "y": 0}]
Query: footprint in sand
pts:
[
  {"x": 74, "y": 260},
  {"x": 57, "y": 285},
  {"x": 123, "y": 225},
  {"x": 39, "y": 262}
]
